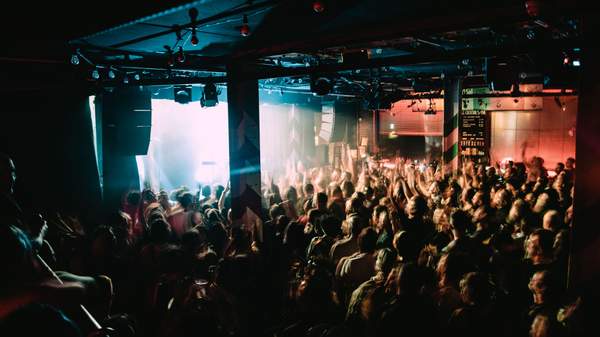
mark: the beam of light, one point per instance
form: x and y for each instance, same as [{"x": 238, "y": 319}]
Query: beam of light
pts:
[{"x": 189, "y": 146}]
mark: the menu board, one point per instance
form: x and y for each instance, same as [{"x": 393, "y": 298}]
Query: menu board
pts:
[{"x": 474, "y": 134}]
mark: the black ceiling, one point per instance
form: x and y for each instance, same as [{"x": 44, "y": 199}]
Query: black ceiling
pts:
[{"x": 394, "y": 40}]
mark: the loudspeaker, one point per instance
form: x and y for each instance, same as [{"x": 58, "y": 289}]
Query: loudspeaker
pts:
[
  {"x": 344, "y": 126},
  {"x": 127, "y": 121},
  {"x": 502, "y": 73}
]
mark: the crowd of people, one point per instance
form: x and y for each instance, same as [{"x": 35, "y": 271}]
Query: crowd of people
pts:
[{"x": 373, "y": 250}]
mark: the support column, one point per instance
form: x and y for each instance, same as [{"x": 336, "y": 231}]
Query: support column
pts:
[
  {"x": 452, "y": 98},
  {"x": 244, "y": 146},
  {"x": 585, "y": 252}
]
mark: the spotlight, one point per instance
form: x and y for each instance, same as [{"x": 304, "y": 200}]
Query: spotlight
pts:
[
  {"x": 126, "y": 79},
  {"x": 321, "y": 86},
  {"x": 136, "y": 77},
  {"x": 111, "y": 74},
  {"x": 74, "y": 59},
  {"x": 210, "y": 95},
  {"x": 318, "y": 6},
  {"x": 245, "y": 28},
  {"x": 95, "y": 74},
  {"x": 182, "y": 94},
  {"x": 180, "y": 55},
  {"x": 576, "y": 63},
  {"x": 530, "y": 34},
  {"x": 194, "y": 39}
]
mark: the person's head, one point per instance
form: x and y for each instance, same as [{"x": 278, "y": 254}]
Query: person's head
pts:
[
  {"x": 347, "y": 189},
  {"x": 163, "y": 199},
  {"x": 480, "y": 199},
  {"x": 336, "y": 192},
  {"x": 467, "y": 195},
  {"x": 281, "y": 223},
  {"x": 38, "y": 320},
  {"x": 367, "y": 239},
  {"x": 320, "y": 201},
  {"x": 148, "y": 197},
  {"x": 416, "y": 207},
  {"x": 291, "y": 194},
  {"x": 275, "y": 211},
  {"x": 377, "y": 213},
  {"x": 218, "y": 191},
  {"x": 369, "y": 192},
  {"x": 570, "y": 164},
  {"x": 545, "y": 287},
  {"x": 133, "y": 198},
  {"x": 354, "y": 225},
  {"x": 8, "y": 174},
  {"x": 475, "y": 289},
  {"x": 331, "y": 226},
  {"x": 405, "y": 245},
  {"x": 354, "y": 205},
  {"x": 206, "y": 191},
  {"x": 542, "y": 203},
  {"x": 160, "y": 231},
  {"x": 460, "y": 222},
  {"x": 186, "y": 200},
  {"x": 293, "y": 236},
  {"x": 559, "y": 168},
  {"x": 540, "y": 245},
  {"x": 502, "y": 199},
  {"x": 451, "y": 268},
  {"x": 517, "y": 211},
  {"x": 309, "y": 190},
  {"x": 384, "y": 222},
  {"x": 552, "y": 221}
]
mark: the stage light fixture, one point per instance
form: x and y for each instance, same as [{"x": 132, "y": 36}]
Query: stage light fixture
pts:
[
  {"x": 180, "y": 55},
  {"x": 111, "y": 74},
  {"x": 126, "y": 79},
  {"x": 210, "y": 95},
  {"x": 136, "y": 77},
  {"x": 95, "y": 74},
  {"x": 74, "y": 59},
  {"x": 318, "y": 6},
  {"x": 194, "y": 40},
  {"x": 182, "y": 94},
  {"x": 245, "y": 28},
  {"x": 321, "y": 86}
]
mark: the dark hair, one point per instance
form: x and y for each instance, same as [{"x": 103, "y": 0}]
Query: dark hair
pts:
[
  {"x": 546, "y": 240},
  {"x": 309, "y": 188},
  {"x": 367, "y": 240},
  {"x": 331, "y": 225},
  {"x": 206, "y": 191},
  {"x": 133, "y": 198},
  {"x": 475, "y": 288},
  {"x": 460, "y": 220},
  {"x": 160, "y": 231},
  {"x": 186, "y": 200},
  {"x": 321, "y": 198}
]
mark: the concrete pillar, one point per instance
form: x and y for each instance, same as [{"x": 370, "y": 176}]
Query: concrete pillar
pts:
[
  {"x": 244, "y": 146},
  {"x": 452, "y": 98},
  {"x": 585, "y": 252}
]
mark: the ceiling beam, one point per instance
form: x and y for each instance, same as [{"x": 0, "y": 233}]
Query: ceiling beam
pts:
[
  {"x": 199, "y": 23},
  {"x": 419, "y": 58}
]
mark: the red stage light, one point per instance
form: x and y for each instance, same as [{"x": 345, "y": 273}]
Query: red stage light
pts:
[
  {"x": 533, "y": 8},
  {"x": 318, "y": 6},
  {"x": 245, "y": 28},
  {"x": 194, "y": 39}
]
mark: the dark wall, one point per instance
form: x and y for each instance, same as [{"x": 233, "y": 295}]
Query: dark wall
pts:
[{"x": 48, "y": 133}]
